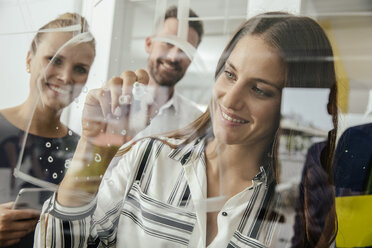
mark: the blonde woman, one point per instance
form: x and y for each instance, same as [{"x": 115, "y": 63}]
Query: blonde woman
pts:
[{"x": 58, "y": 64}]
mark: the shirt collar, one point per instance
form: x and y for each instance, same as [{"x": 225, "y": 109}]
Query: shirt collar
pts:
[
  {"x": 196, "y": 149},
  {"x": 186, "y": 152},
  {"x": 266, "y": 175},
  {"x": 173, "y": 102}
]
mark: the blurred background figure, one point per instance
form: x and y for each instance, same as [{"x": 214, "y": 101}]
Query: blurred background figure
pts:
[
  {"x": 315, "y": 209},
  {"x": 353, "y": 185},
  {"x": 166, "y": 65},
  {"x": 353, "y": 160},
  {"x": 58, "y": 63}
]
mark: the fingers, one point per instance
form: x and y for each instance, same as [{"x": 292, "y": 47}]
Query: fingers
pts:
[
  {"x": 104, "y": 98},
  {"x": 107, "y": 109},
  {"x": 14, "y": 224},
  {"x": 129, "y": 78},
  {"x": 19, "y": 226},
  {"x": 6, "y": 243},
  {"x": 13, "y": 235},
  {"x": 142, "y": 76},
  {"x": 10, "y": 215},
  {"x": 10, "y": 237},
  {"x": 115, "y": 86},
  {"x": 95, "y": 110},
  {"x": 97, "y": 103},
  {"x": 24, "y": 214},
  {"x": 7, "y": 205}
]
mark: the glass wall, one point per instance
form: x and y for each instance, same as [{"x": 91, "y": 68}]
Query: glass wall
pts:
[{"x": 164, "y": 123}]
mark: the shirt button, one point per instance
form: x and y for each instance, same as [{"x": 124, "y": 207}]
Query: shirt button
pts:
[{"x": 224, "y": 214}]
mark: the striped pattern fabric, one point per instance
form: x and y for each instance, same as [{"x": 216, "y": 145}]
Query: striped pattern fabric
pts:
[{"x": 151, "y": 200}]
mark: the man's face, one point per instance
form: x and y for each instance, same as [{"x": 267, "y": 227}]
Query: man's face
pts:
[{"x": 167, "y": 63}]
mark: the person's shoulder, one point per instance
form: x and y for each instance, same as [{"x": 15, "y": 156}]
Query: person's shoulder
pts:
[
  {"x": 318, "y": 146},
  {"x": 158, "y": 141},
  {"x": 72, "y": 135},
  {"x": 6, "y": 127},
  {"x": 367, "y": 126},
  {"x": 3, "y": 119},
  {"x": 9, "y": 114},
  {"x": 155, "y": 147},
  {"x": 364, "y": 130},
  {"x": 162, "y": 144}
]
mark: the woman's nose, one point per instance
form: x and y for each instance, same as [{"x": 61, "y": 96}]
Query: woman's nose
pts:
[
  {"x": 65, "y": 75},
  {"x": 234, "y": 97}
]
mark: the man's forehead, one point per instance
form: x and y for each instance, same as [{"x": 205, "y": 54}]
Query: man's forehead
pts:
[{"x": 170, "y": 27}]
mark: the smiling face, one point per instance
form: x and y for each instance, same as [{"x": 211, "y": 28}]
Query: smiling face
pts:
[
  {"x": 167, "y": 63},
  {"x": 248, "y": 94},
  {"x": 60, "y": 79}
]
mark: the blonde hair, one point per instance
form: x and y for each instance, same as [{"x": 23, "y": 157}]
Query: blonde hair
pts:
[{"x": 64, "y": 20}]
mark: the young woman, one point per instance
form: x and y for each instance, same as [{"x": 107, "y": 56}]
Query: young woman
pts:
[
  {"x": 212, "y": 183},
  {"x": 58, "y": 63}
]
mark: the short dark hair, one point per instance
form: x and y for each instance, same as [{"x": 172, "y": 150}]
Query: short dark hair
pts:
[{"x": 196, "y": 25}]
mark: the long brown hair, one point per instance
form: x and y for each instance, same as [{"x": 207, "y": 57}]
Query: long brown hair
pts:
[
  {"x": 307, "y": 54},
  {"x": 308, "y": 57}
]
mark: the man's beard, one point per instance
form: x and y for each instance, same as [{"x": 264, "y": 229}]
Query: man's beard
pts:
[{"x": 161, "y": 78}]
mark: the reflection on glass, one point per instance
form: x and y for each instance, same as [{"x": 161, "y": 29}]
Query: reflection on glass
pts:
[{"x": 260, "y": 167}]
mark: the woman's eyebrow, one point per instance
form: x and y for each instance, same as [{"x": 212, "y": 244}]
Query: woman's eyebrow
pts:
[
  {"x": 256, "y": 79},
  {"x": 231, "y": 65},
  {"x": 83, "y": 64},
  {"x": 267, "y": 82},
  {"x": 57, "y": 55}
]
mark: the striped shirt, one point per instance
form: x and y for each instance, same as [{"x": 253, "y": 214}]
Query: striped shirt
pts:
[{"x": 156, "y": 197}]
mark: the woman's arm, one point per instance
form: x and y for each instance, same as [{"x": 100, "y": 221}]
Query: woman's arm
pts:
[
  {"x": 95, "y": 222},
  {"x": 105, "y": 128},
  {"x": 72, "y": 216},
  {"x": 86, "y": 171}
]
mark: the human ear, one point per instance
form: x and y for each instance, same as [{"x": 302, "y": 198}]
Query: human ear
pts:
[
  {"x": 28, "y": 61},
  {"x": 148, "y": 44}
]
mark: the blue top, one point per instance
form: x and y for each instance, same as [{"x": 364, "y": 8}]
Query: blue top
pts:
[{"x": 352, "y": 162}]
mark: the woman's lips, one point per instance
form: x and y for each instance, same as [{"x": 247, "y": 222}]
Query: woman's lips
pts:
[
  {"x": 58, "y": 89},
  {"x": 232, "y": 118}
]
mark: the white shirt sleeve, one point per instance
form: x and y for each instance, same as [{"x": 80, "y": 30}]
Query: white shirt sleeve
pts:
[{"x": 93, "y": 224}]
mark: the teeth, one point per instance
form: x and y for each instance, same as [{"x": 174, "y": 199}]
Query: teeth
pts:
[
  {"x": 168, "y": 66},
  {"x": 59, "y": 90},
  {"x": 231, "y": 119}
]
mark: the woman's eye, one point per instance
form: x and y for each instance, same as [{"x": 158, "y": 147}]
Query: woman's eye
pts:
[
  {"x": 259, "y": 91},
  {"x": 80, "y": 70},
  {"x": 229, "y": 75},
  {"x": 55, "y": 61}
]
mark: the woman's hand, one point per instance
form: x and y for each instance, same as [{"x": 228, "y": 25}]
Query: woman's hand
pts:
[
  {"x": 15, "y": 223},
  {"x": 111, "y": 117},
  {"x": 108, "y": 111}
]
